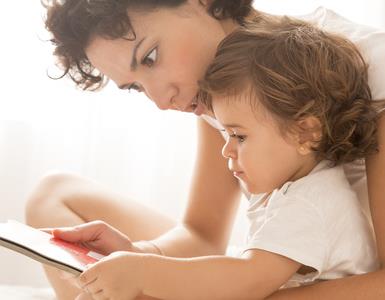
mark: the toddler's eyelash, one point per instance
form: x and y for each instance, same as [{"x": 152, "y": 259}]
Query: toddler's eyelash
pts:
[{"x": 240, "y": 138}]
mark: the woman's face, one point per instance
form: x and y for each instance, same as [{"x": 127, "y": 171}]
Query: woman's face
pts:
[{"x": 172, "y": 49}]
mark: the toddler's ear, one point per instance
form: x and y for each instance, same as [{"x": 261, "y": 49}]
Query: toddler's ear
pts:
[{"x": 309, "y": 133}]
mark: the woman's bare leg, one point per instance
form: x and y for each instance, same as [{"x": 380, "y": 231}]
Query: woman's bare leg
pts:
[{"x": 67, "y": 200}]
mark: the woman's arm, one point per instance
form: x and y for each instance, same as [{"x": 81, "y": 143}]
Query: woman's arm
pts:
[
  {"x": 375, "y": 170},
  {"x": 213, "y": 202},
  {"x": 358, "y": 287},
  {"x": 367, "y": 286}
]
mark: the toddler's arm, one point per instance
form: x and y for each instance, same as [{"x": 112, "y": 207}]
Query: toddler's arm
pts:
[{"x": 255, "y": 275}]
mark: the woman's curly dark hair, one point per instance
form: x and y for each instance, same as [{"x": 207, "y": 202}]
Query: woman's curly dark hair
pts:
[
  {"x": 73, "y": 23},
  {"x": 295, "y": 70}
]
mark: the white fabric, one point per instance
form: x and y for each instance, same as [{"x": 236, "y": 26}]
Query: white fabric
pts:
[
  {"x": 16, "y": 292},
  {"x": 370, "y": 41},
  {"x": 316, "y": 221}
]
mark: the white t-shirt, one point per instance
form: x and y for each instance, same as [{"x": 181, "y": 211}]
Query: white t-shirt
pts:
[
  {"x": 316, "y": 221},
  {"x": 371, "y": 43}
]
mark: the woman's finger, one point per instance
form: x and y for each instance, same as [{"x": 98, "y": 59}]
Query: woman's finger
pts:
[{"x": 80, "y": 233}]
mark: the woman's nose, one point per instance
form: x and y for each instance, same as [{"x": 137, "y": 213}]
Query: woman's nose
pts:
[{"x": 161, "y": 96}]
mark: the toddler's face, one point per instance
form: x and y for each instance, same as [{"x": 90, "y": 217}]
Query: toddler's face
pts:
[{"x": 257, "y": 152}]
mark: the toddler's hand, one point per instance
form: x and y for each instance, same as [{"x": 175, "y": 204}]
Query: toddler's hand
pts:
[
  {"x": 71, "y": 278},
  {"x": 117, "y": 276},
  {"x": 84, "y": 296}
]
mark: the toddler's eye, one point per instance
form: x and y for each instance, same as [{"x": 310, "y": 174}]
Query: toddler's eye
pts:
[
  {"x": 240, "y": 138},
  {"x": 150, "y": 59}
]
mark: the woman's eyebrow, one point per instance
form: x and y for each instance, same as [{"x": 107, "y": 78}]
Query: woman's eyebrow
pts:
[{"x": 134, "y": 62}]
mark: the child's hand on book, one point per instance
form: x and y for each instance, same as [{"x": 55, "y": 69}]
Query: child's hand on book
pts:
[
  {"x": 117, "y": 276},
  {"x": 97, "y": 236}
]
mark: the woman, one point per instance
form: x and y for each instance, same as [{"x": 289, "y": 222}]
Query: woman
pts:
[{"x": 165, "y": 62}]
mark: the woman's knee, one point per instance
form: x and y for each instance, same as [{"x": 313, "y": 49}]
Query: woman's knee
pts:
[{"x": 48, "y": 194}]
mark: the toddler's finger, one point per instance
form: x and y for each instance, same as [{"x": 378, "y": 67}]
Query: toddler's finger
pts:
[
  {"x": 83, "y": 296},
  {"x": 66, "y": 275},
  {"x": 70, "y": 278}
]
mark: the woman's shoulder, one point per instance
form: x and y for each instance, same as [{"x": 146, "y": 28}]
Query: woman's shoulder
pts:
[{"x": 331, "y": 21}]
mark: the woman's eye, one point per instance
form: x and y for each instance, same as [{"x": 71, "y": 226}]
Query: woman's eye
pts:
[
  {"x": 150, "y": 59},
  {"x": 134, "y": 87}
]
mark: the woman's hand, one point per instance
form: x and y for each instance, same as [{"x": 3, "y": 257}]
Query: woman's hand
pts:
[
  {"x": 117, "y": 276},
  {"x": 97, "y": 236}
]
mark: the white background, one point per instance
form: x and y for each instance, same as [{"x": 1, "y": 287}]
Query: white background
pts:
[{"x": 118, "y": 139}]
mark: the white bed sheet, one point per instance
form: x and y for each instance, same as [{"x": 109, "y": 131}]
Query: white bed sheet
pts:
[{"x": 17, "y": 292}]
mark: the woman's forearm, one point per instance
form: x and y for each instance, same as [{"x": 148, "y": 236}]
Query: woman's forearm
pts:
[
  {"x": 180, "y": 241},
  {"x": 375, "y": 170},
  {"x": 366, "y": 286}
]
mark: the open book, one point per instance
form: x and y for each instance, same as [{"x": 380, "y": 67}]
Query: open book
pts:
[{"x": 46, "y": 249}]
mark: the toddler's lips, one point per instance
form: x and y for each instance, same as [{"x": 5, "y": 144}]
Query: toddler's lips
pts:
[{"x": 237, "y": 173}]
